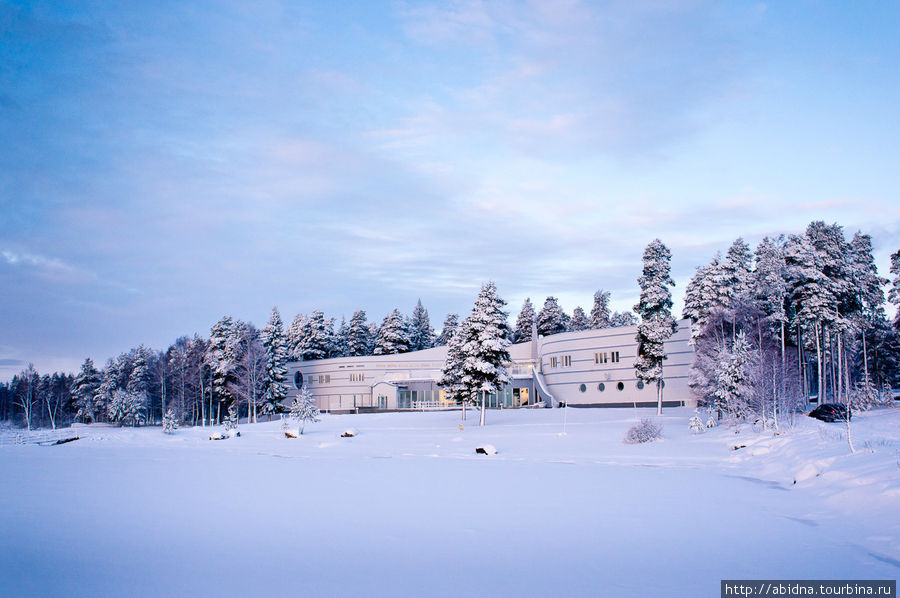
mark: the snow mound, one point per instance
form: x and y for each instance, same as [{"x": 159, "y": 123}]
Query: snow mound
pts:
[
  {"x": 349, "y": 433},
  {"x": 485, "y": 449}
]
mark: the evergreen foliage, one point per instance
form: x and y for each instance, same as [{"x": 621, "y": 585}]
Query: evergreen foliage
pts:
[
  {"x": 421, "y": 333},
  {"x": 85, "y": 392},
  {"x": 275, "y": 381},
  {"x": 169, "y": 423},
  {"x": 303, "y": 408},
  {"x": 579, "y": 320},
  {"x": 447, "y": 330},
  {"x": 359, "y": 337},
  {"x": 654, "y": 308},
  {"x": 485, "y": 348},
  {"x": 551, "y": 319},
  {"x": 392, "y": 336},
  {"x": 525, "y": 322},
  {"x": 600, "y": 316}
]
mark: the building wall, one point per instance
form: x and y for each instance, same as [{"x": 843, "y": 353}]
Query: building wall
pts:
[{"x": 346, "y": 383}]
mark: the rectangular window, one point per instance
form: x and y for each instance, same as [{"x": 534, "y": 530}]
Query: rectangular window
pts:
[
  {"x": 357, "y": 377},
  {"x": 566, "y": 360},
  {"x": 601, "y": 358},
  {"x": 615, "y": 357},
  {"x": 553, "y": 362}
]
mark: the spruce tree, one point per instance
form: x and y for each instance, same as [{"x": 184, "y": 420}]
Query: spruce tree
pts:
[
  {"x": 447, "y": 330},
  {"x": 316, "y": 337},
  {"x": 421, "y": 332},
  {"x": 392, "y": 336},
  {"x": 304, "y": 409},
  {"x": 294, "y": 337},
  {"x": 451, "y": 379},
  {"x": 359, "y": 337},
  {"x": 600, "y": 311},
  {"x": 894, "y": 291},
  {"x": 485, "y": 346},
  {"x": 340, "y": 348},
  {"x": 525, "y": 322},
  {"x": 579, "y": 320},
  {"x": 551, "y": 319},
  {"x": 85, "y": 391},
  {"x": 655, "y": 310},
  {"x": 620, "y": 319},
  {"x": 275, "y": 381}
]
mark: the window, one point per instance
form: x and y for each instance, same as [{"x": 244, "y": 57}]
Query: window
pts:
[
  {"x": 614, "y": 357},
  {"x": 298, "y": 380},
  {"x": 582, "y": 388},
  {"x": 357, "y": 377},
  {"x": 326, "y": 379},
  {"x": 566, "y": 360},
  {"x": 600, "y": 358},
  {"x": 601, "y": 387},
  {"x": 553, "y": 362},
  {"x": 640, "y": 385},
  {"x": 620, "y": 386}
]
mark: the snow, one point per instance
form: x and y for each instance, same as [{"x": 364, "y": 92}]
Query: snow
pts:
[{"x": 408, "y": 509}]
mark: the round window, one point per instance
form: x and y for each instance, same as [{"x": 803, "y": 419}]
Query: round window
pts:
[
  {"x": 582, "y": 388},
  {"x": 601, "y": 387},
  {"x": 620, "y": 386},
  {"x": 640, "y": 385},
  {"x": 298, "y": 380}
]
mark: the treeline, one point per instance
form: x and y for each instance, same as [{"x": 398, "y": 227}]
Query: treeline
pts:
[{"x": 801, "y": 316}]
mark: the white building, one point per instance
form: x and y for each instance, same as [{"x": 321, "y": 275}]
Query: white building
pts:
[{"x": 590, "y": 368}]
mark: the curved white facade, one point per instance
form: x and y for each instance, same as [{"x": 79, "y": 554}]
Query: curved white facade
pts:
[{"x": 587, "y": 368}]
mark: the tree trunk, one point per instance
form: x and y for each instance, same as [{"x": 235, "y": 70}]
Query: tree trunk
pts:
[
  {"x": 483, "y": 398},
  {"x": 819, "y": 370}
]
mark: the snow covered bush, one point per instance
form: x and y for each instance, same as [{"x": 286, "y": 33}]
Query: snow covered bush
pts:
[
  {"x": 231, "y": 423},
  {"x": 867, "y": 396},
  {"x": 643, "y": 431},
  {"x": 126, "y": 408},
  {"x": 303, "y": 408},
  {"x": 695, "y": 424},
  {"x": 169, "y": 423}
]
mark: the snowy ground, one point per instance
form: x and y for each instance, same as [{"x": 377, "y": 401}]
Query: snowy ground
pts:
[{"x": 406, "y": 508}]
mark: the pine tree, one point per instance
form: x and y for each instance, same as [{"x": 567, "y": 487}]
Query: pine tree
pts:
[
  {"x": 392, "y": 336},
  {"x": 579, "y": 320},
  {"x": 126, "y": 408},
  {"x": 734, "y": 388},
  {"x": 85, "y": 391},
  {"x": 600, "y": 312},
  {"x": 769, "y": 283},
  {"x": 303, "y": 408},
  {"x": 341, "y": 344},
  {"x": 485, "y": 347},
  {"x": 359, "y": 338},
  {"x": 275, "y": 381},
  {"x": 316, "y": 337},
  {"x": 525, "y": 322},
  {"x": 620, "y": 319},
  {"x": 451, "y": 379},
  {"x": 447, "y": 330},
  {"x": 736, "y": 269},
  {"x": 421, "y": 332},
  {"x": 894, "y": 291},
  {"x": 218, "y": 359},
  {"x": 294, "y": 337},
  {"x": 654, "y": 308},
  {"x": 169, "y": 423},
  {"x": 551, "y": 319}
]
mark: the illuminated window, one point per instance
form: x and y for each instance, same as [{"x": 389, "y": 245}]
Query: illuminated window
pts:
[{"x": 357, "y": 377}]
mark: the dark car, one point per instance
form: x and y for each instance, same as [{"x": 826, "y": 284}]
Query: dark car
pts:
[{"x": 829, "y": 412}]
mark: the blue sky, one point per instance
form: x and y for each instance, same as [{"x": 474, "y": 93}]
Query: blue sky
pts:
[{"x": 167, "y": 163}]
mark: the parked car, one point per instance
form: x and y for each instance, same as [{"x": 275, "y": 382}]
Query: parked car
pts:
[{"x": 830, "y": 412}]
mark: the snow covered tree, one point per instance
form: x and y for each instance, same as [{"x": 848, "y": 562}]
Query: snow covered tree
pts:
[
  {"x": 316, "y": 337},
  {"x": 894, "y": 292},
  {"x": 218, "y": 360},
  {"x": 274, "y": 385},
  {"x": 485, "y": 348},
  {"x": 579, "y": 320},
  {"x": 392, "y": 336},
  {"x": 359, "y": 337},
  {"x": 734, "y": 388},
  {"x": 85, "y": 390},
  {"x": 303, "y": 408},
  {"x": 421, "y": 333},
  {"x": 340, "y": 345},
  {"x": 294, "y": 337},
  {"x": 525, "y": 322},
  {"x": 551, "y": 319},
  {"x": 127, "y": 408},
  {"x": 451, "y": 379},
  {"x": 735, "y": 270},
  {"x": 769, "y": 285},
  {"x": 625, "y": 318},
  {"x": 655, "y": 310},
  {"x": 447, "y": 330},
  {"x": 170, "y": 422},
  {"x": 600, "y": 311},
  {"x": 867, "y": 301},
  {"x": 231, "y": 422}
]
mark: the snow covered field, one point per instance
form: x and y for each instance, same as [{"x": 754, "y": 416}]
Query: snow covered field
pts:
[{"x": 407, "y": 508}]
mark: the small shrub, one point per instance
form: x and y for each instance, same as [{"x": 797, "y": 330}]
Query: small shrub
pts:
[
  {"x": 643, "y": 431},
  {"x": 695, "y": 424},
  {"x": 169, "y": 423}
]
